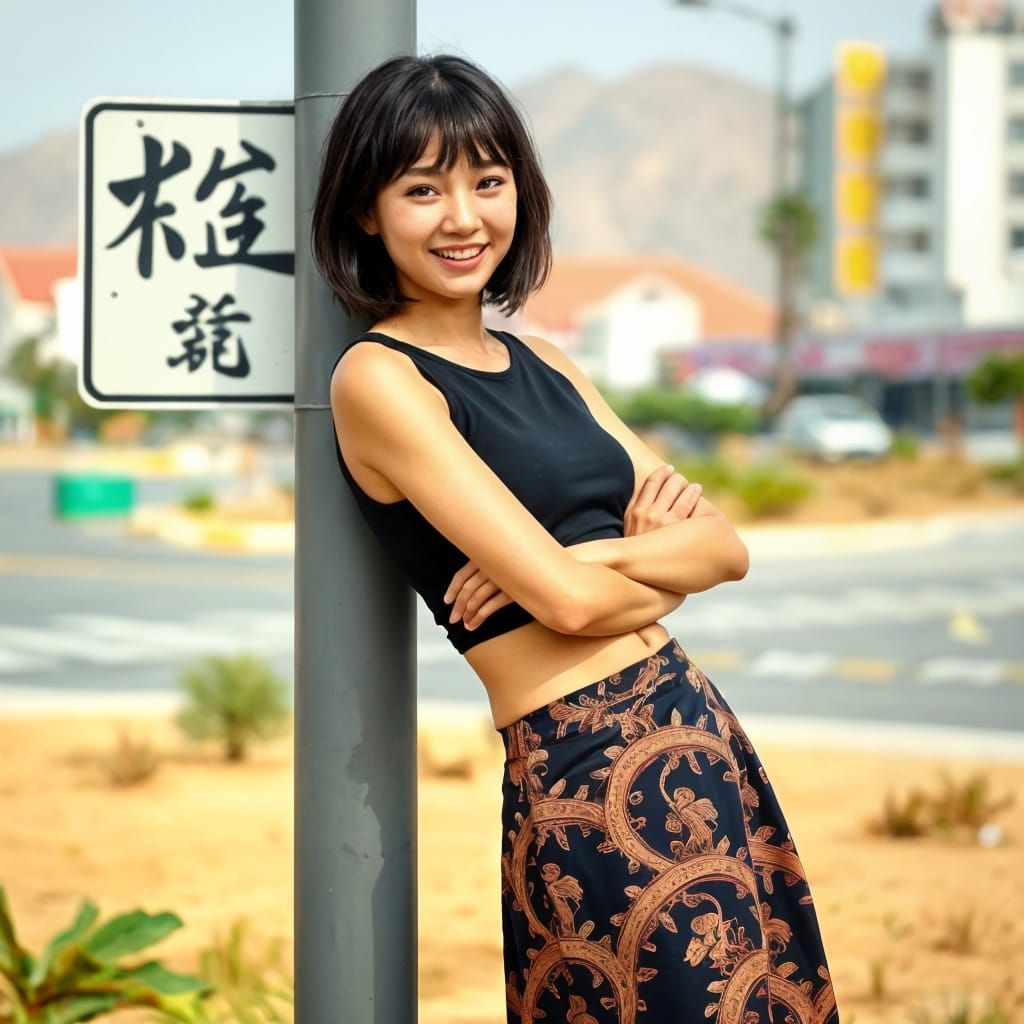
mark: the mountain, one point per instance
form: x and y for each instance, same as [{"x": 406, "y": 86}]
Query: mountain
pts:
[{"x": 673, "y": 158}]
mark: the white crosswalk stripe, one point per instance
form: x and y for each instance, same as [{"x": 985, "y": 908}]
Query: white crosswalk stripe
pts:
[
  {"x": 799, "y": 666},
  {"x": 962, "y": 671}
]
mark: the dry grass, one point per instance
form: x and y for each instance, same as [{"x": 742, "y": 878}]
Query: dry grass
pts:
[{"x": 902, "y": 921}]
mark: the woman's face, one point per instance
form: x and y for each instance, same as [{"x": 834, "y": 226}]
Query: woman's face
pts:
[{"x": 420, "y": 216}]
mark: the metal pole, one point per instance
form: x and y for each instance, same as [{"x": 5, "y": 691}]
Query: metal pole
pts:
[
  {"x": 784, "y": 29},
  {"x": 355, "y": 639}
]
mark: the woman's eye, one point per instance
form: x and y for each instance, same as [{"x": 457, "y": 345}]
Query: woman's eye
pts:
[{"x": 418, "y": 190}]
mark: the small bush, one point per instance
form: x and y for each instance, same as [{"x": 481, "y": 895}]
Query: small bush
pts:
[
  {"x": 233, "y": 700},
  {"x": 130, "y": 762},
  {"x": 1010, "y": 473},
  {"x": 649, "y": 406},
  {"x": 960, "y": 806},
  {"x": 714, "y": 474},
  {"x": 966, "y": 804},
  {"x": 904, "y": 445},
  {"x": 198, "y": 501},
  {"x": 901, "y": 819},
  {"x": 772, "y": 489}
]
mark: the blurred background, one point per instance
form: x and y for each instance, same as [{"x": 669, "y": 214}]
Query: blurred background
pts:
[{"x": 789, "y": 248}]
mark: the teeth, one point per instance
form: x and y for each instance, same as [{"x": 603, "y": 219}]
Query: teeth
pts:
[{"x": 448, "y": 254}]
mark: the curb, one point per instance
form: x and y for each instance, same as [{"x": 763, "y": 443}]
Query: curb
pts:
[{"x": 264, "y": 537}]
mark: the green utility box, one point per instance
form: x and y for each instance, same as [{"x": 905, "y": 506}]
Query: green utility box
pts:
[{"x": 92, "y": 494}]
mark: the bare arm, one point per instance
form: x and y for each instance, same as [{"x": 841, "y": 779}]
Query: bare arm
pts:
[{"x": 422, "y": 453}]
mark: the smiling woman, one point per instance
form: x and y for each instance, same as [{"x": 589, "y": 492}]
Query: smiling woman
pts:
[{"x": 500, "y": 482}]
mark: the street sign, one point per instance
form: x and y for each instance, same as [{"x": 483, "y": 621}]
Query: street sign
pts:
[{"x": 186, "y": 249}]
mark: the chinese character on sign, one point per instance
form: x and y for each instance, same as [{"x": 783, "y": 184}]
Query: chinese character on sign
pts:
[
  {"x": 195, "y": 345},
  {"x": 151, "y": 212}
]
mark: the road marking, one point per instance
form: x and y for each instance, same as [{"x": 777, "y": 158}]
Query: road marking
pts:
[
  {"x": 963, "y": 671},
  {"x": 132, "y": 570},
  {"x": 866, "y": 670},
  {"x": 794, "y": 665}
]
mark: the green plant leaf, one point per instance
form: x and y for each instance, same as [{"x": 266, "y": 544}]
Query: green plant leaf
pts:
[
  {"x": 154, "y": 975},
  {"x": 70, "y": 1009},
  {"x": 10, "y": 951},
  {"x": 87, "y": 914},
  {"x": 130, "y": 932}
]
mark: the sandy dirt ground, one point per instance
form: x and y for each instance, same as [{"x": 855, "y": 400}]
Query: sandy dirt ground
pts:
[{"x": 907, "y": 923}]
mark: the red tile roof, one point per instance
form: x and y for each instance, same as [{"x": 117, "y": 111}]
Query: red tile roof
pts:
[
  {"x": 32, "y": 270},
  {"x": 728, "y": 310}
]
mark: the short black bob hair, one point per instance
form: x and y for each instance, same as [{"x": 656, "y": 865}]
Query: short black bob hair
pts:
[{"x": 379, "y": 132}]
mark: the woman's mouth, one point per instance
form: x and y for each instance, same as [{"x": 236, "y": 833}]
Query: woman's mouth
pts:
[{"x": 461, "y": 259}]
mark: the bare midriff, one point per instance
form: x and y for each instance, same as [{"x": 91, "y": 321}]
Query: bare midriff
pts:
[{"x": 534, "y": 665}]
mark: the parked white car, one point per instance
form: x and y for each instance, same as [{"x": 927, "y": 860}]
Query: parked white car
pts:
[{"x": 833, "y": 427}]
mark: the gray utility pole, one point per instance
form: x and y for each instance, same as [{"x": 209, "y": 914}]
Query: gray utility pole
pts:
[
  {"x": 784, "y": 28},
  {"x": 355, "y": 624}
]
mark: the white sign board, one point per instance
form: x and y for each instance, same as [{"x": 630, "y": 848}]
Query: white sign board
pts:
[{"x": 187, "y": 253}]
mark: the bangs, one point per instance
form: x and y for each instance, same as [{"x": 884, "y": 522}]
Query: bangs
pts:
[{"x": 478, "y": 132}]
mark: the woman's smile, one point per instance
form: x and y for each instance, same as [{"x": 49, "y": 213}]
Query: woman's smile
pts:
[{"x": 460, "y": 258}]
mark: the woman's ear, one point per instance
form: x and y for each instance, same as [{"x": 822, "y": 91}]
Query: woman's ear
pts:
[{"x": 367, "y": 222}]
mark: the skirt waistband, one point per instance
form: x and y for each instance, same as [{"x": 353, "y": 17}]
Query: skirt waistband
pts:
[{"x": 591, "y": 705}]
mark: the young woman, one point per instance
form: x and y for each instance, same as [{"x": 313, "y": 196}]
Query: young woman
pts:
[{"x": 648, "y": 874}]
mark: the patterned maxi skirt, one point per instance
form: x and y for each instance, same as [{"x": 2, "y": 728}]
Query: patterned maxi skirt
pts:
[{"x": 647, "y": 872}]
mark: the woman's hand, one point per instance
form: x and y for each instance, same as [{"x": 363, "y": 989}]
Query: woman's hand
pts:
[
  {"x": 473, "y": 596},
  {"x": 665, "y": 497}
]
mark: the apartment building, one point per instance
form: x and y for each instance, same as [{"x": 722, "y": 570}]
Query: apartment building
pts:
[{"x": 916, "y": 165}]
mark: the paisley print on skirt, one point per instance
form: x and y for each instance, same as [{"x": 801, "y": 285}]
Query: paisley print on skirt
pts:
[{"x": 648, "y": 874}]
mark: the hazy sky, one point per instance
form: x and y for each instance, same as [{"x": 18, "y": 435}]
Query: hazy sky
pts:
[{"x": 55, "y": 55}]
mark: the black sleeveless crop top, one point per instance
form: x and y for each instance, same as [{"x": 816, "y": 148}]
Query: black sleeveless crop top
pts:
[{"x": 535, "y": 431}]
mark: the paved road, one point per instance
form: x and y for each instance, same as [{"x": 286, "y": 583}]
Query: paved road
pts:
[{"x": 925, "y": 635}]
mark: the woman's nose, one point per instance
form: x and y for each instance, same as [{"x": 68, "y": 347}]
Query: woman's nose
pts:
[{"x": 462, "y": 215}]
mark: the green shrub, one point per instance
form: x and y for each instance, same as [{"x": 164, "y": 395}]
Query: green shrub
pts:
[
  {"x": 198, "y": 501},
  {"x": 1011, "y": 473},
  {"x": 959, "y": 807},
  {"x": 904, "y": 445},
  {"x": 713, "y": 473},
  {"x": 649, "y": 406},
  {"x": 80, "y": 974},
  {"x": 769, "y": 488},
  {"x": 233, "y": 700}
]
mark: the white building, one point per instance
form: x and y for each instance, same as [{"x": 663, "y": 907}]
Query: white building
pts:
[{"x": 950, "y": 173}]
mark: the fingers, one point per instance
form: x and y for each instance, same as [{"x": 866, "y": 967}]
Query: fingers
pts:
[
  {"x": 499, "y": 600},
  {"x": 469, "y": 598},
  {"x": 636, "y": 510},
  {"x": 458, "y": 579},
  {"x": 687, "y": 501}
]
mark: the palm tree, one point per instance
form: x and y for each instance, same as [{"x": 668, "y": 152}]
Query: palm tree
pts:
[{"x": 789, "y": 223}]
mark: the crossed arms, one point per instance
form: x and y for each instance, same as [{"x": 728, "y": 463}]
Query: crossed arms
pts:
[{"x": 597, "y": 588}]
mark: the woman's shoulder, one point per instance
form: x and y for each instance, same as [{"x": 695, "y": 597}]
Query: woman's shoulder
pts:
[{"x": 380, "y": 369}]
